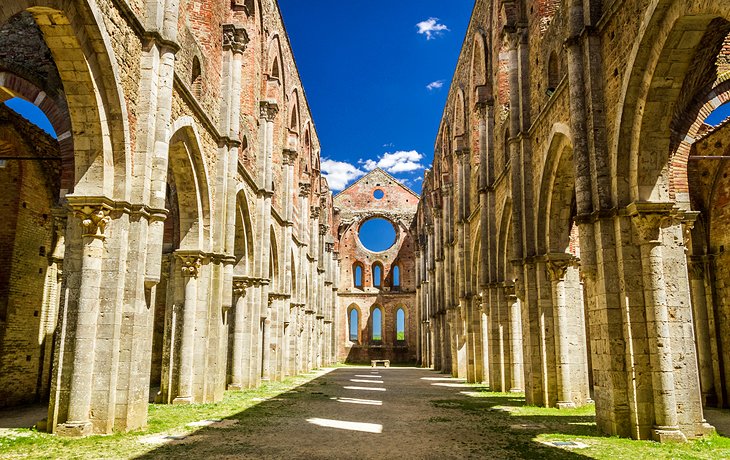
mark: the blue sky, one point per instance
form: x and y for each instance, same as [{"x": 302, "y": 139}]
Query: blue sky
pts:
[{"x": 366, "y": 68}]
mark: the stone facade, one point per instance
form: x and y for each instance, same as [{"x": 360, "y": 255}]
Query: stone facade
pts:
[
  {"x": 354, "y": 206},
  {"x": 178, "y": 234},
  {"x": 565, "y": 247}
]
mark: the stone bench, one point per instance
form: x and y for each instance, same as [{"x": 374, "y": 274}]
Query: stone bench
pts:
[{"x": 375, "y": 362}]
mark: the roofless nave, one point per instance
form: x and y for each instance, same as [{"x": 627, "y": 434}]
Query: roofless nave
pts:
[{"x": 569, "y": 242}]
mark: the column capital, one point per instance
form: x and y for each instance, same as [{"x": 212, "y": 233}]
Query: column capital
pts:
[
  {"x": 191, "y": 263},
  {"x": 305, "y": 189},
  {"x": 315, "y": 211},
  {"x": 557, "y": 265},
  {"x": 290, "y": 156},
  {"x": 269, "y": 109},
  {"x": 94, "y": 219},
  {"x": 648, "y": 218},
  {"x": 235, "y": 38}
]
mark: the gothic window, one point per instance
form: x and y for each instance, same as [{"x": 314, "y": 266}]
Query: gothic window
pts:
[
  {"x": 357, "y": 275},
  {"x": 377, "y": 275},
  {"x": 377, "y": 324},
  {"x": 196, "y": 80},
  {"x": 354, "y": 325},
  {"x": 400, "y": 325},
  {"x": 553, "y": 73},
  {"x": 396, "y": 277}
]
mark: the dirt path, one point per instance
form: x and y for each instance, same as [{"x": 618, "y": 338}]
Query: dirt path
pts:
[{"x": 366, "y": 413}]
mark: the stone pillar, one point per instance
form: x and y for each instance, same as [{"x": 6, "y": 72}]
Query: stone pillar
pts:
[
  {"x": 557, "y": 267},
  {"x": 648, "y": 222},
  {"x": 190, "y": 269},
  {"x": 517, "y": 384},
  {"x": 240, "y": 346},
  {"x": 696, "y": 267},
  {"x": 94, "y": 220}
]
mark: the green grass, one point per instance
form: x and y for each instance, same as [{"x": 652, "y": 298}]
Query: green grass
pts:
[
  {"x": 528, "y": 426},
  {"x": 163, "y": 419}
]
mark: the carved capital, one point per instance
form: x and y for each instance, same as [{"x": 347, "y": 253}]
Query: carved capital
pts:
[
  {"x": 235, "y": 38},
  {"x": 696, "y": 269},
  {"x": 290, "y": 157},
  {"x": 557, "y": 265},
  {"x": 315, "y": 212},
  {"x": 305, "y": 189},
  {"x": 94, "y": 220},
  {"x": 269, "y": 109},
  {"x": 190, "y": 265},
  {"x": 323, "y": 229},
  {"x": 648, "y": 219}
]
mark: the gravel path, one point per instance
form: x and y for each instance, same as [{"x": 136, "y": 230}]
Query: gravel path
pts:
[{"x": 366, "y": 413}]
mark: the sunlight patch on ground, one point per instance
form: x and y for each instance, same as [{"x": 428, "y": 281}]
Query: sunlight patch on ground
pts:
[
  {"x": 364, "y": 388},
  {"x": 451, "y": 385},
  {"x": 350, "y": 426},
  {"x": 367, "y": 402},
  {"x": 444, "y": 379},
  {"x": 368, "y": 376},
  {"x": 365, "y": 381}
]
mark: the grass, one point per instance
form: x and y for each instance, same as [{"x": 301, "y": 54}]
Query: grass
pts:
[
  {"x": 162, "y": 420},
  {"x": 526, "y": 426}
]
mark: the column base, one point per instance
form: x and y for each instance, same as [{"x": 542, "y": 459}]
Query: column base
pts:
[
  {"x": 182, "y": 400},
  {"x": 565, "y": 405},
  {"x": 75, "y": 429},
  {"x": 668, "y": 434},
  {"x": 235, "y": 387}
]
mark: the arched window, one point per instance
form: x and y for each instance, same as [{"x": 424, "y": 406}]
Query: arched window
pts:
[
  {"x": 396, "y": 277},
  {"x": 553, "y": 73},
  {"x": 275, "y": 68},
  {"x": 377, "y": 275},
  {"x": 196, "y": 79},
  {"x": 400, "y": 325},
  {"x": 354, "y": 325},
  {"x": 377, "y": 324},
  {"x": 357, "y": 275}
]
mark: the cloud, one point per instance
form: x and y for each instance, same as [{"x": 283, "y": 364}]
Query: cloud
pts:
[
  {"x": 431, "y": 28},
  {"x": 397, "y": 162},
  {"x": 418, "y": 179},
  {"x": 340, "y": 173},
  {"x": 435, "y": 85}
]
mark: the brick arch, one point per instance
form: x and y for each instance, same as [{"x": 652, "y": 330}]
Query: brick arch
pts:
[
  {"x": 81, "y": 49},
  {"x": 689, "y": 133},
  {"x": 16, "y": 86},
  {"x": 642, "y": 147}
]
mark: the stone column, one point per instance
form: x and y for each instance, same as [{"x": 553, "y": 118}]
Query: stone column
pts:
[
  {"x": 94, "y": 220},
  {"x": 648, "y": 220},
  {"x": 557, "y": 267},
  {"x": 515, "y": 333},
  {"x": 190, "y": 269},
  {"x": 240, "y": 349},
  {"x": 702, "y": 330}
]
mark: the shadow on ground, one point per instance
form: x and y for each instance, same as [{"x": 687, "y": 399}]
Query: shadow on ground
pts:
[{"x": 444, "y": 423}]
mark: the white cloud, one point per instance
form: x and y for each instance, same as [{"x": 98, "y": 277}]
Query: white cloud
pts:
[
  {"x": 435, "y": 85},
  {"x": 418, "y": 179},
  {"x": 339, "y": 173},
  {"x": 431, "y": 28},
  {"x": 397, "y": 162}
]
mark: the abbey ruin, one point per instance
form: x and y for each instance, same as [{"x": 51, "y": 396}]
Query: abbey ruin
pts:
[{"x": 178, "y": 239}]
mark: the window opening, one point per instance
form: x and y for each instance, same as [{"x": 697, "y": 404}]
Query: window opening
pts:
[
  {"x": 354, "y": 325},
  {"x": 400, "y": 325},
  {"x": 377, "y": 324}
]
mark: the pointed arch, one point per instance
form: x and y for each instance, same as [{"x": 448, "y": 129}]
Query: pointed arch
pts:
[
  {"x": 189, "y": 174},
  {"x": 244, "y": 239},
  {"x": 80, "y": 46}
]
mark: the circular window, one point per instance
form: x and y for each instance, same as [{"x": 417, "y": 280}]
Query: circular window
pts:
[
  {"x": 378, "y": 194},
  {"x": 377, "y": 234}
]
